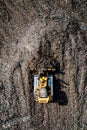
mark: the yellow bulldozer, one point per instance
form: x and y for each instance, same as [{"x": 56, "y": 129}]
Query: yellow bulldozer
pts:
[{"x": 43, "y": 86}]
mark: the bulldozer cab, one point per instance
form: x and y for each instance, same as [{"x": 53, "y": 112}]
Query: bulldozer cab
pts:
[{"x": 43, "y": 88}]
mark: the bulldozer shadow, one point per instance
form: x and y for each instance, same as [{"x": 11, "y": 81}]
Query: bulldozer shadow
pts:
[{"x": 60, "y": 96}]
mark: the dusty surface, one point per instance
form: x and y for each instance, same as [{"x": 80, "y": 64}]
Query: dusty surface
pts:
[{"x": 31, "y": 34}]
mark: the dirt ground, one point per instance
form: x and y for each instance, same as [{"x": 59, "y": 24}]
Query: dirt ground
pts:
[{"x": 39, "y": 33}]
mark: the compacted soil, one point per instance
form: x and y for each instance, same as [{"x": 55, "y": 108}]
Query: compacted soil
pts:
[{"x": 42, "y": 33}]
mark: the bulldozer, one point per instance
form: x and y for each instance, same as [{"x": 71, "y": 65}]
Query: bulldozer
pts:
[{"x": 43, "y": 86}]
